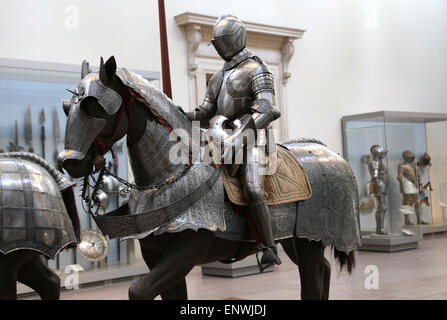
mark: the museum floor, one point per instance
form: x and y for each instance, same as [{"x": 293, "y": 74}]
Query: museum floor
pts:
[{"x": 415, "y": 274}]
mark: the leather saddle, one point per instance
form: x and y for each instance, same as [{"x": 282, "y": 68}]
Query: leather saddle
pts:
[{"x": 288, "y": 184}]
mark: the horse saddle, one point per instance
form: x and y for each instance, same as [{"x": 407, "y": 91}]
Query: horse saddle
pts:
[{"x": 288, "y": 184}]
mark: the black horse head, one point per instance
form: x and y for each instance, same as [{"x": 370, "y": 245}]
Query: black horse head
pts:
[{"x": 96, "y": 119}]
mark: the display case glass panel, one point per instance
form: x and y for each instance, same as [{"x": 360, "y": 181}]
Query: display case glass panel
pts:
[
  {"x": 416, "y": 190},
  {"x": 30, "y": 99}
]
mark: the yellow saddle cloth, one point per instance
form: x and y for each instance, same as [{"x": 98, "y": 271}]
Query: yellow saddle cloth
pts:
[{"x": 288, "y": 184}]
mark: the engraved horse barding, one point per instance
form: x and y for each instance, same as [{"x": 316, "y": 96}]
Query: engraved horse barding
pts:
[
  {"x": 38, "y": 218},
  {"x": 209, "y": 230}
]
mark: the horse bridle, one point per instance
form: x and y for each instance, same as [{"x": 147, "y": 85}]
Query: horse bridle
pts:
[{"x": 102, "y": 147}]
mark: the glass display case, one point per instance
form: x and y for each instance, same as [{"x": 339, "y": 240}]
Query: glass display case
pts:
[
  {"x": 415, "y": 165},
  {"x": 32, "y": 119}
]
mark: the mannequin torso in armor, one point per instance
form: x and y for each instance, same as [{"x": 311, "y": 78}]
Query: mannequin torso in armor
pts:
[{"x": 379, "y": 175}]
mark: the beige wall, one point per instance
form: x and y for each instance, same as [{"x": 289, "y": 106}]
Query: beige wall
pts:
[
  {"x": 348, "y": 62},
  {"x": 437, "y": 147}
]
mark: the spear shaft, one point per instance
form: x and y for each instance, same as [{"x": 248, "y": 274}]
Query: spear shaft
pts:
[
  {"x": 42, "y": 133},
  {"x": 165, "y": 68},
  {"x": 29, "y": 130}
]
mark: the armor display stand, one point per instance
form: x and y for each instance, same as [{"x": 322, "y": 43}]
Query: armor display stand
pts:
[
  {"x": 246, "y": 267},
  {"x": 391, "y": 243}
]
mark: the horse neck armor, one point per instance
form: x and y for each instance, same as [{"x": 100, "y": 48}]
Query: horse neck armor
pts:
[
  {"x": 206, "y": 213},
  {"x": 149, "y": 157}
]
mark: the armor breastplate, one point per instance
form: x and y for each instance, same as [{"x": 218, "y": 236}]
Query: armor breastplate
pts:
[
  {"x": 378, "y": 171},
  {"x": 235, "y": 96}
]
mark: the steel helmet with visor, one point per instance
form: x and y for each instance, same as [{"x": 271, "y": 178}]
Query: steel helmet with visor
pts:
[{"x": 229, "y": 36}]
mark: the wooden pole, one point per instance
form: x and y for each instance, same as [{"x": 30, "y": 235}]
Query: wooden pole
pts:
[{"x": 165, "y": 69}]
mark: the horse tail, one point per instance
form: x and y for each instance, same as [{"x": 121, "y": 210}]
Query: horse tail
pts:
[{"x": 345, "y": 260}]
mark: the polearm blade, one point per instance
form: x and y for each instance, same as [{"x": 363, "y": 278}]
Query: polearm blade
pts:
[
  {"x": 16, "y": 134},
  {"x": 42, "y": 133},
  {"x": 14, "y": 146},
  {"x": 57, "y": 134},
  {"x": 29, "y": 130},
  {"x": 165, "y": 68}
]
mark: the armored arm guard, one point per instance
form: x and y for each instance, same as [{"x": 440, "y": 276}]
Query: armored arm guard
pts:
[
  {"x": 203, "y": 113},
  {"x": 264, "y": 110},
  {"x": 209, "y": 106}
]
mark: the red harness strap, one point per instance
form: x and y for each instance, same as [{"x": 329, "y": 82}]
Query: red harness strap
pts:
[{"x": 250, "y": 223}]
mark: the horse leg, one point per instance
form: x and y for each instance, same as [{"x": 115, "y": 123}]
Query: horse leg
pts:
[
  {"x": 313, "y": 269},
  {"x": 179, "y": 291},
  {"x": 9, "y": 269},
  {"x": 181, "y": 253},
  {"x": 289, "y": 249},
  {"x": 8, "y": 276},
  {"x": 327, "y": 279},
  {"x": 36, "y": 275}
]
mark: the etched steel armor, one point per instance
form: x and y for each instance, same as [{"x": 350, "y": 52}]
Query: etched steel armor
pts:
[
  {"x": 87, "y": 128},
  {"x": 173, "y": 208},
  {"x": 33, "y": 213},
  {"x": 332, "y": 214},
  {"x": 244, "y": 86},
  {"x": 379, "y": 185}
]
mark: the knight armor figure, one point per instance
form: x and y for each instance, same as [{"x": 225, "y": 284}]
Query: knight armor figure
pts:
[
  {"x": 243, "y": 90},
  {"x": 379, "y": 185},
  {"x": 410, "y": 183}
]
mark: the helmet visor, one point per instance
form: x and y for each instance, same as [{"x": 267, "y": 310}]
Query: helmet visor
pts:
[
  {"x": 224, "y": 47},
  {"x": 229, "y": 45}
]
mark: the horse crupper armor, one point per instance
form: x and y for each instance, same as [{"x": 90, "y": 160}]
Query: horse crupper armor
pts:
[{"x": 33, "y": 213}]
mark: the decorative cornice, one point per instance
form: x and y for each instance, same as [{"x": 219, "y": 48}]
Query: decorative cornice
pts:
[
  {"x": 198, "y": 32},
  {"x": 198, "y": 28},
  {"x": 189, "y": 18}
]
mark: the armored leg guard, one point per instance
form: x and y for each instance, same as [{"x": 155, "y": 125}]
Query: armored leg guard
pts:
[
  {"x": 380, "y": 216},
  {"x": 380, "y": 220},
  {"x": 418, "y": 216},
  {"x": 408, "y": 221},
  {"x": 261, "y": 218},
  {"x": 379, "y": 224}
]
